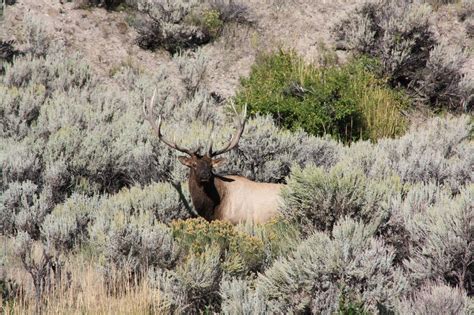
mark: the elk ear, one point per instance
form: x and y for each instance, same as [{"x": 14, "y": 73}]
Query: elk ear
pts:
[
  {"x": 185, "y": 160},
  {"x": 218, "y": 162}
]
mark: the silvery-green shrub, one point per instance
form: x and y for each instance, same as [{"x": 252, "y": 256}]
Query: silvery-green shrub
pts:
[
  {"x": 180, "y": 25},
  {"x": 266, "y": 153},
  {"x": 161, "y": 200},
  {"x": 397, "y": 32},
  {"x": 36, "y": 35},
  {"x": 400, "y": 34},
  {"x": 20, "y": 163},
  {"x": 414, "y": 200},
  {"x": 135, "y": 247},
  {"x": 17, "y": 197},
  {"x": 66, "y": 227},
  {"x": 127, "y": 230},
  {"x": 128, "y": 246},
  {"x": 316, "y": 198},
  {"x": 444, "y": 82},
  {"x": 239, "y": 298},
  {"x": 20, "y": 108},
  {"x": 438, "y": 151},
  {"x": 323, "y": 269},
  {"x": 24, "y": 208},
  {"x": 232, "y": 11},
  {"x": 56, "y": 179},
  {"x": 56, "y": 71},
  {"x": 442, "y": 248},
  {"x": 166, "y": 26},
  {"x": 193, "y": 286},
  {"x": 29, "y": 218},
  {"x": 435, "y": 299},
  {"x": 441, "y": 152}
]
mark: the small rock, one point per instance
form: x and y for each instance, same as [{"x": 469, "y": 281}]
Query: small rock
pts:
[
  {"x": 122, "y": 27},
  {"x": 52, "y": 12}
]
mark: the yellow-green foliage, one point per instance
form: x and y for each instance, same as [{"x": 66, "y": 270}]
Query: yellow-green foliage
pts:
[
  {"x": 241, "y": 252},
  {"x": 207, "y": 19},
  {"x": 279, "y": 237},
  {"x": 212, "y": 22}
]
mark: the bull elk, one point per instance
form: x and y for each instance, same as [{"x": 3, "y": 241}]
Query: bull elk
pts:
[{"x": 229, "y": 198}]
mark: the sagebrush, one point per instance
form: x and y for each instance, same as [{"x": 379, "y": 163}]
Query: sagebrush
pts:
[{"x": 95, "y": 214}]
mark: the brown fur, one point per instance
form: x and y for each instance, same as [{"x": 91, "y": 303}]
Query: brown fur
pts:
[
  {"x": 232, "y": 198},
  {"x": 206, "y": 196},
  {"x": 229, "y": 198}
]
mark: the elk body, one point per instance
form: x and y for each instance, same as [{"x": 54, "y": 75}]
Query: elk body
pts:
[{"x": 228, "y": 198}]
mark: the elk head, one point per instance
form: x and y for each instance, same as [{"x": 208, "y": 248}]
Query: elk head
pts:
[{"x": 201, "y": 165}]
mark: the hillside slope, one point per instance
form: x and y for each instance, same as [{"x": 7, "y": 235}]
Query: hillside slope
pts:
[{"x": 107, "y": 40}]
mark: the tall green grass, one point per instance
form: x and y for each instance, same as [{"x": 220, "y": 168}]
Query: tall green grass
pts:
[{"x": 349, "y": 102}]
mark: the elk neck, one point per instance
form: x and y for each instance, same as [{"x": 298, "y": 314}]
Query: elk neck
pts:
[{"x": 206, "y": 196}]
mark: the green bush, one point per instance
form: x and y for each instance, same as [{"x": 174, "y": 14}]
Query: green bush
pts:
[
  {"x": 242, "y": 253},
  {"x": 279, "y": 237},
  {"x": 348, "y": 102},
  {"x": 212, "y": 22}
]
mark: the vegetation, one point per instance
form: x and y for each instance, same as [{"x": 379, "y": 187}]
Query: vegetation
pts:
[
  {"x": 438, "y": 3},
  {"x": 180, "y": 25},
  {"x": 240, "y": 252},
  {"x": 107, "y": 4},
  {"x": 349, "y": 102},
  {"x": 410, "y": 55},
  {"x": 95, "y": 215}
]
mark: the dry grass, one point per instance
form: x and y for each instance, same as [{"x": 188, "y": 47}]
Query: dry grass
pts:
[
  {"x": 439, "y": 3},
  {"x": 84, "y": 292},
  {"x": 383, "y": 116}
]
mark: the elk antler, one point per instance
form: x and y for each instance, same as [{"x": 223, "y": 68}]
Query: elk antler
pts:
[
  {"x": 235, "y": 138},
  {"x": 157, "y": 128}
]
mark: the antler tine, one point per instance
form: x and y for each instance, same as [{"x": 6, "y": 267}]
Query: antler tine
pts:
[
  {"x": 211, "y": 136},
  {"x": 236, "y": 137},
  {"x": 157, "y": 128}
]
